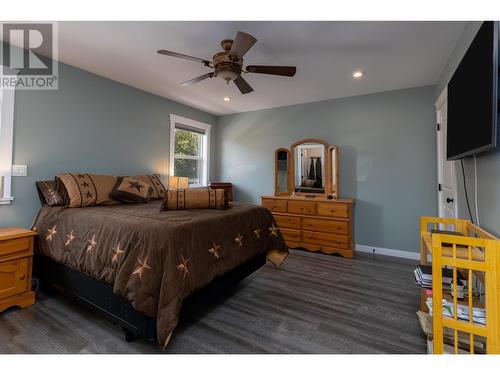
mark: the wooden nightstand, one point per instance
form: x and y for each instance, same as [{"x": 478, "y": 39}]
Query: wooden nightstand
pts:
[{"x": 16, "y": 257}]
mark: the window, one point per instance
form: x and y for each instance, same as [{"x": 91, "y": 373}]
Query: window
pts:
[
  {"x": 189, "y": 149},
  {"x": 6, "y": 137}
]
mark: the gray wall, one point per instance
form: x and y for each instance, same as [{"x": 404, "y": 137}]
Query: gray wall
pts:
[
  {"x": 488, "y": 163},
  {"x": 387, "y": 154},
  {"x": 90, "y": 124}
]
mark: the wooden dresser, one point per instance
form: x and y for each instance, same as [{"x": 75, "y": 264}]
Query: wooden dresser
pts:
[
  {"x": 16, "y": 255},
  {"x": 316, "y": 224}
]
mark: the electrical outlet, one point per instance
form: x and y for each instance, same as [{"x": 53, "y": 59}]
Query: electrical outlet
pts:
[{"x": 19, "y": 170}]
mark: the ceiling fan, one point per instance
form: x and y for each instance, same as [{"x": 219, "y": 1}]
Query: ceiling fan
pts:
[{"x": 228, "y": 64}]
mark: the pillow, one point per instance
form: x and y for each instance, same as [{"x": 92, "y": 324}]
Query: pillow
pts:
[
  {"x": 83, "y": 189},
  {"x": 48, "y": 193},
  {"x": 130, "y": 190},
  {"x": 154, "y": 181},
  {"x": 185, "y": 199}
]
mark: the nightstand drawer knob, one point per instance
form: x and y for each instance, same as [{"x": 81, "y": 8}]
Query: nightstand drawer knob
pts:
[{"x": 22, "y": 277}]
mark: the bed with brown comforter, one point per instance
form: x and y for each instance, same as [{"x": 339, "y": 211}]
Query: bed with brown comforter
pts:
[{"x": 156, "y": 258}]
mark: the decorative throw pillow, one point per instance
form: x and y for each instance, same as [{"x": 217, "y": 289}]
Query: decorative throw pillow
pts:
[
  {"x": 131, "y": 190},
  {"x": 185, "y": 199},
  {"x": 48, "y": 193},
  {"x": 154, "y": 181},
  {"x": 83, "y": 189}
]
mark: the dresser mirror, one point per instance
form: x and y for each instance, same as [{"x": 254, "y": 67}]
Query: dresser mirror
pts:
[
  {"x": 310, "y": 168},
  {"x": 282, "y": 174},
  {"x": 309, "y": 164}
]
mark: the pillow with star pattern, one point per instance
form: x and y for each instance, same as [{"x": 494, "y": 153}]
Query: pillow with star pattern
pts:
[
  {"x": 154, "y": 181},
  {"x": 131, "y": 190},
  {"x": 83, "y": 189}
]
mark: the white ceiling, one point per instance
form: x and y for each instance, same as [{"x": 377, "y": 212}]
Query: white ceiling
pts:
[{"x": 394, "y": 55}]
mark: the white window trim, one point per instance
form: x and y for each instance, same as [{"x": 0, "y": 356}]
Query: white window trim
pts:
[
  {"x": 175, "y": 119},
  {"x": 6, "y": 141}
]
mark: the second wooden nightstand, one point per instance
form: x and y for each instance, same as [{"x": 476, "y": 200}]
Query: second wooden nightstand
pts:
[{"x": 16, "y": 257}]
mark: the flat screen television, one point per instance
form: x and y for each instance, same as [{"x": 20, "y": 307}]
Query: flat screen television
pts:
[{"x": 473, "y": 97}]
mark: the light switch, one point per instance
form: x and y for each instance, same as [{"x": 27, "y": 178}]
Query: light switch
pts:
[{"x": 19, "y": 170}]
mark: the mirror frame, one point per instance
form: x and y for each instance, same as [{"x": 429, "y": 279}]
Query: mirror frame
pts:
[
  {"x": 334, "y": 163},
  {"x": 328, "y": 168},
  {"x": 289, "y": 174}
]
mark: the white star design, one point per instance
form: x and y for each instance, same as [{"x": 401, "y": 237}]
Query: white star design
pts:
[
  {"x": 91, "y": 244},
  {"x": 143, "y": 265},
  {"x": 117, "y": 252},
  {"x": 70, "y": 239},
  {"x": 273, "y": 230},
  {"x": 215, "y": 250},
  {"x": 239, "y": 239},
  {"x": 257, "y": 232},
  {"x": 183, "y": 266},
  {"x": 51, "y": 233}
]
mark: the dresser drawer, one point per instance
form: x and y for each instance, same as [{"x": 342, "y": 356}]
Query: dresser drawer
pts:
[
  {"x": 275, "y": 205},
  {"x": 287, "y": 221},
  {"x": 13, "y": 277},
  {"x": 326, "y": 239},
  {"x": 330, "y": 226},
  {"x": 300, "y": 207},
  {"x": 15, "y": 246},
  {"x": 334, "y": 210},
  {"x": 290, "y": 234}
]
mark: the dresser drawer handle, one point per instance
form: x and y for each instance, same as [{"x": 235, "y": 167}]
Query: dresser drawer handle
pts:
[{"x": 22, "y": 277}]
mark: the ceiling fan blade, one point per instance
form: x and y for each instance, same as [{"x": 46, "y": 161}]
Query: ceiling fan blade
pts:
[
  {"x": 182, "y": 56},
  {"x": 197, "y": 79},
  {"x": 241, "y": 44},
  {"x": 243, "y": 85},
  {"x": 288, "y": 71}
]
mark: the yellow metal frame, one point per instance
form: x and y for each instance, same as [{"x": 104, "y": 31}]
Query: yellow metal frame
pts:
[{"x": 474, "y": 253}]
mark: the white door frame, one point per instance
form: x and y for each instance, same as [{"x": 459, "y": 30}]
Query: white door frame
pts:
[{"x": 442, "y": 99}]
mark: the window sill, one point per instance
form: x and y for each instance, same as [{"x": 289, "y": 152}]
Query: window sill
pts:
[{"x": 6, "y": 200}]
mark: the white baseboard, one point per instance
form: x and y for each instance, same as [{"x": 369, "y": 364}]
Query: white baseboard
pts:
[{"x": 388, "y": 252}]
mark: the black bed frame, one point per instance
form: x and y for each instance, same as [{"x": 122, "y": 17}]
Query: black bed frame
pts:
[{"x": 99, "y": 295}]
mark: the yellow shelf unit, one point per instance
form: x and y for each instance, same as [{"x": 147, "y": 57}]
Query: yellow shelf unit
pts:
[{"x": 476, "y": 253}]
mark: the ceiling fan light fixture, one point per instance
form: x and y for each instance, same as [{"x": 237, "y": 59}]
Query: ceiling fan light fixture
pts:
[
  {"x": 228, "y": 75},
  {"x": 358, "y": 74}
]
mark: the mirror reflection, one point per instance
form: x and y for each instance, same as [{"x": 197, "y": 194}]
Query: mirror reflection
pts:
[
  {"x": 310, "y": 167},
  {"x": 282, "y": 171}
]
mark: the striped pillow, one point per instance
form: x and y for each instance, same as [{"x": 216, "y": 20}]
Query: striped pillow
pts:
[
  {"x": 83, "y": 189},
  {"x": 186, "y": 199}
]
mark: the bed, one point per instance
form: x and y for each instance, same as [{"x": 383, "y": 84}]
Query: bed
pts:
[{"x": 139, "y": 265}]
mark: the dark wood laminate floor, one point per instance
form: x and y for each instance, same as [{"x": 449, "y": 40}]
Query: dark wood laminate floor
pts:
[{"x": 315, "y": 303}]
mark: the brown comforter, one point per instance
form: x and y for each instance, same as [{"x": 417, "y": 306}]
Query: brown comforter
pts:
[{"x": 156, "y": 258}]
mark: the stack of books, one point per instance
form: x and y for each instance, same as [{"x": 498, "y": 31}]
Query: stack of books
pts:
[
  {"x": 423, "y": 278},
  {"x": 478, "y": 314}
]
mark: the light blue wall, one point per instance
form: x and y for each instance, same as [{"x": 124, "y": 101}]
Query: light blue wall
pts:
[
  {"x": 488, "y": 163},
  {"x": 90, "y": 124},
  {"x": 387, "y": 154}
]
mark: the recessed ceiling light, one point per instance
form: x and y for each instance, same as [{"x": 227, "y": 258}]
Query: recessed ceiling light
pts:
[
  {"x": 227, "y": 99},
  {"x": 358, "y": 74}
]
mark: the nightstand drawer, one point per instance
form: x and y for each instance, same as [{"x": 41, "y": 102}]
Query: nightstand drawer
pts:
[
  {"x": 298, "y": 207},
  {"x": 13, "y": 277},
  {"x": 274, "y": 205},
  {"x": 18, "y": 245},
  {"x": 287, "y": 221}
]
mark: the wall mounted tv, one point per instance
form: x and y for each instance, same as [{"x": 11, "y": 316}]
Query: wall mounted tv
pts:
[{"x": 473, "y": 97}]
